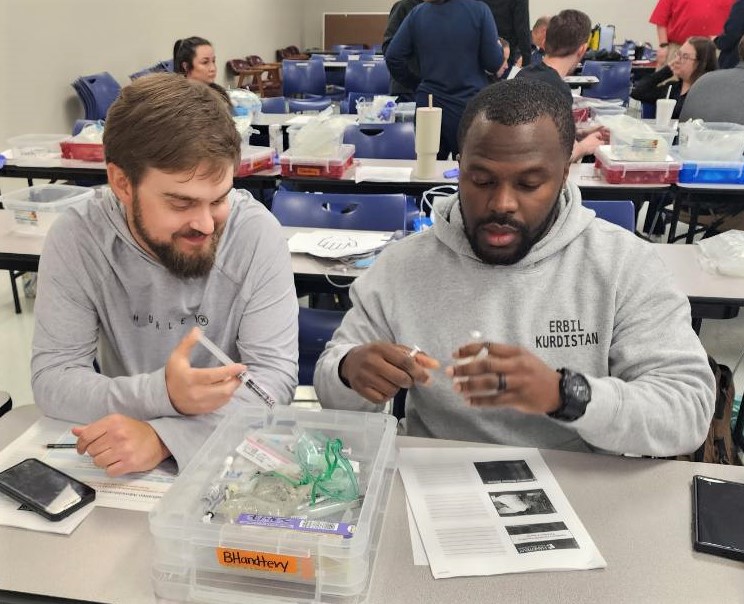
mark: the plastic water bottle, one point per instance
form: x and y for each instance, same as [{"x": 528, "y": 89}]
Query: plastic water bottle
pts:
[{"x": 276, "y": 141}]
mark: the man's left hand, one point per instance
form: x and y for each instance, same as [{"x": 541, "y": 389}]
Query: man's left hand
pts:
[
  {"x": 120, "y": 444},
  {"x": 507, "y": 376}
]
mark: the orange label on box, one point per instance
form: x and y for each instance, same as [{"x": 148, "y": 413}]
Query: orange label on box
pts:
[
  {"x": 272, "y": 563},
  {"x": 308, "y": 171}
]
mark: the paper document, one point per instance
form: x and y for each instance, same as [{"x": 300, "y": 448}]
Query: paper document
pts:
[
  {"x": 489, "y": 511},
  {"x": 138, "y": 491},
  {"x": 338, "y": 244},
  {"x": 382, "y": 174}
]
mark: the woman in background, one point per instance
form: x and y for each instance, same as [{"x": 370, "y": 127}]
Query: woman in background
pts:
[
  {"x": 195, "y": 59},
  {"x": 694, "y": 58}
]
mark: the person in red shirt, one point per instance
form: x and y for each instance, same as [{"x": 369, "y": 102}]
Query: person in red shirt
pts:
[{"x": 677, "y": 20}]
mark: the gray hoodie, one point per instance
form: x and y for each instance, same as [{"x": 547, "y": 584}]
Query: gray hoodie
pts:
[
  {"x": 589, "y": 296},
  {"x": 100, "y": 295}
]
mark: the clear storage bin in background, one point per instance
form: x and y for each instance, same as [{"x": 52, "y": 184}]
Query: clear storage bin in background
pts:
[
  {"x": 36, "y": 207},
  {"x": 711, "y": 141},
  {"x": 189, "y": 561},
  {"x": 36, "y": 149}
]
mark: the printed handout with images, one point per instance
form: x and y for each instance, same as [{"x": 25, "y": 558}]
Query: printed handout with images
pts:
[{"x": 489, "y": 511}]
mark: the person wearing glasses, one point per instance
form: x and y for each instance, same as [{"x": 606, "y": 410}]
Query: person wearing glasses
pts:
[{"x": 694, "y": 58}]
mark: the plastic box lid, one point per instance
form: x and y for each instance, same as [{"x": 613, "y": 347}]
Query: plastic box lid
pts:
[
  {"x": 36, "y": 149},
  {"x": 605, "y": 156},
  {"x": 345, "y": 152},
  {"x": 189, "y": 560},
  {"x": 46, "y": 198},
  {"x": 712, "y": 172}
]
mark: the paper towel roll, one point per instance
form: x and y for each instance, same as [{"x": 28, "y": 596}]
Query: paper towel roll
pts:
[{"x": 428, "y": 129}]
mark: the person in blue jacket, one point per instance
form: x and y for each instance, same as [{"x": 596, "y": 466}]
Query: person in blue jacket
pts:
[{"x": 456, "y": 44}]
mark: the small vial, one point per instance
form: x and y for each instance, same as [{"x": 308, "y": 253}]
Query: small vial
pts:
[{"x": 276, "y": 140}]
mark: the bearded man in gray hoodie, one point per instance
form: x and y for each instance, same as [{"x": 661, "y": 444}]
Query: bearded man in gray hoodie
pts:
[
  {"x": 126, "y": 280},
  {"x": 583, "y": 341}
]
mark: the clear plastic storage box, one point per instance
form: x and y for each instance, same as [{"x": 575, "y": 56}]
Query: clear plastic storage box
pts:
[
  {"x": 217, "y": 561},
  {"x": 616, "y": 171},
  {"x": 331, "y": 167},
  {"x": 36, "y": 207},
  {"x": 36, "y": 149},
  {"x": 712, "y": 172},
  {"x": 254, "y": 159}
]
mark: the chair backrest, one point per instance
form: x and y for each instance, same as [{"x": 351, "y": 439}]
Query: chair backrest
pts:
[
  {"x": 382, "y": 141},
  {"x": 142, "y": 72},
  {"x": 275, "y": 104},
  {"x": 303, "y": 77},
  {"x": 621, "y": 213},
  {"x": 97, "y": 92},
  {"x": 303, "y": 105},
  {"x": 380, "y": 212},
  {"x": 614, "y": 79},
  {"x": 254, "y": 60},
  {"x": 316, "y": 327},
  {"x": 235, "y": 66},
  {"x": 371, "y": 77}
]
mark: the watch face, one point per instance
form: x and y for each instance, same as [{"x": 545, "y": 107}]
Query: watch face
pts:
[{"x": 578, "y": 387}]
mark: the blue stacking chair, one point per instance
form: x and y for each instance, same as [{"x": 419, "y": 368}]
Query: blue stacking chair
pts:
[
  {"x": 164, "y": 66},
  {"x": 388, "y": 212},
  {"x": 304, "y": 79},
  {"x": 274, "y": 104},
  {"x": 377, "y": 49},
  {"x": 97, "y": 92},
  {"x": 371, "y": 77},
  {"x": 621, "y": 213},
  {"x": 139, "y": 74},
  {"x": 316, "y": 328},
  {"x": 378, "y": 212},
  {"x": 303, "y": 105},
  {"x": 614, "y": 80},
  {"x": 382, "y": 141},
  {"x": 370, "y": 56}
]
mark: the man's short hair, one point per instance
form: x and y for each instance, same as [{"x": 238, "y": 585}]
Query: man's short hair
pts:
[
  {"x": 521, "y": 101},
  {"x": 170, "y": 123},
  {"x": 567, "y": 31},
  {"x": 541, "y": 22}
]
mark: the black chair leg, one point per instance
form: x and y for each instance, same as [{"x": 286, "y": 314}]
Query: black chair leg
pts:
[
  {"x": 14, "y": 288},
  {"x": 6, "y": 403}
]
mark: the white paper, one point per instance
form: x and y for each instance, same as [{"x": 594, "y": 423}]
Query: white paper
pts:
[
  {"x": 487, "y": 511},
  {"x": 139, "y": 491},
  {"x": 417, "y": 546},
  {"x": 336, "y": 243},
  {"x": 382, "y": 174}
]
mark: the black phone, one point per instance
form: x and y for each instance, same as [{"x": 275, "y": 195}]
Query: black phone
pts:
[
  {"x": 44, "y": 489},
  {"x": 718, "y": 517}
]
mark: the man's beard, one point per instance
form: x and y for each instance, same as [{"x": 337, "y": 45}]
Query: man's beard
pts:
[
  {"x": 181, "y": 264},
  {"x": 491, "y": 255}
]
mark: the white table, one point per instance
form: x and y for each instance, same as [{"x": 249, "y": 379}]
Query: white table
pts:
[{"x": 637, "y": 511}]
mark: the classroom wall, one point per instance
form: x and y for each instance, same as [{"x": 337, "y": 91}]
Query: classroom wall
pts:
[
  {"x": 82, "y": 37},
  {"x": 630, "y": 17}
]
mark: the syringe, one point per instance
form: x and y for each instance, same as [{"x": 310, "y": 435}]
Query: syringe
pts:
[{"x": 243, "y": 376}]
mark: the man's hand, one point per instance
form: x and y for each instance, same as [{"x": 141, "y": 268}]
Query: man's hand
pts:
[
  {"x": 507, "y": 376},
  {"x": 377, "y": 371},
  {"x": 589, "y": 144},
  {"x": 194, "y": 391},
  {"x": 121, "y": 445}
]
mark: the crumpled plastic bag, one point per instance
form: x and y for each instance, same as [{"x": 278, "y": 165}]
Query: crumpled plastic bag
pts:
[
  {"x": 320, "y": 137},
  {"x": 378, "y": 110},
  {"x": 244, "y": 102},
  {"x": 91, "y": 133},
  {"x": 723, "y": 254}
]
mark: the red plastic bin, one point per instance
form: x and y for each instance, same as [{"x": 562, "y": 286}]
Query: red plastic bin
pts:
[
  {"x": 254, "y": 159},
  {"x": 618, "y": 172},
  {"x": 82, "y": 151},
  {"x": 333, "y": 167}
]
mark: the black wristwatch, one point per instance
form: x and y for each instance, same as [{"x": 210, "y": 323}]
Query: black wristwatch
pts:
[{"x": 575, "y": 394}]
